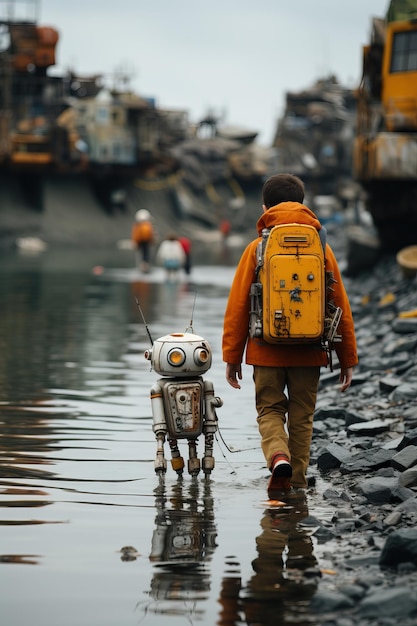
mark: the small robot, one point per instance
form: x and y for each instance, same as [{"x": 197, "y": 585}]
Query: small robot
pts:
[{"x": 183, "y": 404}]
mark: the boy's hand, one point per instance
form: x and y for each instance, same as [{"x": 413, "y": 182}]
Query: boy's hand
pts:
[
  {"x": 233, "y": 372},
  {"x": 346, "y": 374}
]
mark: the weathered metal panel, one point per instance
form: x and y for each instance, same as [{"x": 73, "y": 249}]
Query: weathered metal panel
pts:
[{"x": 393, "y": 156}]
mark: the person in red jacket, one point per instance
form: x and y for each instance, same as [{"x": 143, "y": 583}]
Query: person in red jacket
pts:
[
  {"x": 186, "y": 246},
  {"x": 286, "y": 376}
]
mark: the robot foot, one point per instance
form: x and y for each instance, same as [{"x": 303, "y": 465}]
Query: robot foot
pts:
[
  {"x": 193, "y": 466},
  {"x": 160, "y": 465},
  {"x": 208, "y": 465},
  {"x": 178, "y": 465}
]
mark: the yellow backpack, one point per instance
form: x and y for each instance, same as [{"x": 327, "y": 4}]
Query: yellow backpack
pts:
[{"x": 289, "y": 297}]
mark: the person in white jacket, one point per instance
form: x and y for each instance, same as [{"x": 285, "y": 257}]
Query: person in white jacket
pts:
[{"x": 171, "y": 256}]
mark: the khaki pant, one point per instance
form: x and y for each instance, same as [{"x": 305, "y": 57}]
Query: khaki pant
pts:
[{"x": 286, "y": 421}]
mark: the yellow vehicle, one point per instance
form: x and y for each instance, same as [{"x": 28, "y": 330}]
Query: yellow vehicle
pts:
[
  {"x": 30, "y": 149},
  {"x": 385, "y": 147}
]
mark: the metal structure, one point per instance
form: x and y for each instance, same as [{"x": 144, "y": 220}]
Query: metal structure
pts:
[{"x": 385, "y": 147}]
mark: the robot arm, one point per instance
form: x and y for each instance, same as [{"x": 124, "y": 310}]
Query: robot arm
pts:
[
  {"x": 159, "y": 426},
  {"x": 211, "y": 402}
]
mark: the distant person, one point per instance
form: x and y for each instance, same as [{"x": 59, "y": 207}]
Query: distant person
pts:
[
  {"x": 225, "y": 228},
  {"x": 143, "y": 237},
  {"x": 171, "y": 256},
  {"x": 186, "y": 246},
  {"x": 118, "y": 201}
]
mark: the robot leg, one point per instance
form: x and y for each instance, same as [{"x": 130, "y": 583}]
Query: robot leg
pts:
[
  {"x": 210, "y": 425},
  {"x": 177, "y": 461},
  {"x": 193, "y": 461},
  {"x": 160, "y": 461}
]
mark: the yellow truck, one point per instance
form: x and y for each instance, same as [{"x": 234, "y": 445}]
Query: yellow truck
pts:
[{"x": 385, "y": 146}]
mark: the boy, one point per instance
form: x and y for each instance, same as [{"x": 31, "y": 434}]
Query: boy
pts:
[{"x": 295, "y": 368}]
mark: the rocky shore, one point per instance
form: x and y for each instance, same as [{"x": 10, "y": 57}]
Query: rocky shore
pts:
[{"x": 365, "y": 448}]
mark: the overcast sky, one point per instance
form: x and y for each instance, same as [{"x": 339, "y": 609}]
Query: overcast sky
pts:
[{"x": 238, "y": 57}]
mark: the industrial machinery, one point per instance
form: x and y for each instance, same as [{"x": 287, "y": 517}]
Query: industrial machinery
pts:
[{"x": 385, "y": 149}]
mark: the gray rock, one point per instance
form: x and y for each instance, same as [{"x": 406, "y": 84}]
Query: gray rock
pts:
[
  {"x": 331, "y": 494},
  {"x": 401, "y": 344},
  {"x": 327, "y": 378},
  {"x": 405, "y": 458},
  {"x": 360, "y": 378},
  {"x": 333, "y": 456},
  {"x": 405, "y": 325},
  {"x": 367, "y": 460},
  {"x": 401, "y": 493},
  {"x": 393, "y": 444},
  {"x": 330, "y": 411},
  {"x": 397, "y": 359},
  {"x": 403, "y": 367},
  {"x": 408, "y": 478},
  {"x": 389, "y": 383},
  {"x": 408, "y": 506},
  {"x": 410, "y": 439},
  {"x": 378, "y": 489},
  {"x": 397, "y": 602},
  {"x": 406, "y": 391},
  {"x": 404, "y": 569},
  {"x": 353, "y": 417},
  {"x": 400, "y": 547},
  {"x": 411, "y": 374},
  {"x": 366, "y": 559},
  {"x": 356, "y": 592},
  {"x": 323, "y": 534},
  {"x": 372, "y": 427},
  {"x": 325, "y": 601},
  {"x": 393, "y": 518}
]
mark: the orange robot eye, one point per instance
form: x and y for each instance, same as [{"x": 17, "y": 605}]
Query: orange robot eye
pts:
[
  {"x": 176, "y": 357},
  {"x": 201, "y": 356}
]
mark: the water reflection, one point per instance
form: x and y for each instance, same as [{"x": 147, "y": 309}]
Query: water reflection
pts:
[
  {"x": 183, "y": 543},
  {"x": 21, "y": 559},
  {"x": 285, "y": 574},
  {"x": 24, "y": 446},
  {"x": 77, "y": 477}
]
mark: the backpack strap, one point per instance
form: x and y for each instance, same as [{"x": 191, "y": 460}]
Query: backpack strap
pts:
[
  {"x": 323, "y": 238},
  {"x": 260, "y": 249}
]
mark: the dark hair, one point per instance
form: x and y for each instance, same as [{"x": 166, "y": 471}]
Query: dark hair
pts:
[{"x": 282, "y": 188}]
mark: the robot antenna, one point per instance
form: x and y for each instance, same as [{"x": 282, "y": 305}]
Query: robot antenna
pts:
[
  {"x": 144, "y": 321},
  {"x": 190, "y": 325}
]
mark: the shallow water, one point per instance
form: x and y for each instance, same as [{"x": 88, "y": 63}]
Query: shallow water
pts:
[{"x": 89, "y": 533}]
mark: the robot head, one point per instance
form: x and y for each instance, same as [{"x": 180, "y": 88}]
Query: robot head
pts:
[{"x": 180, "y": 354}]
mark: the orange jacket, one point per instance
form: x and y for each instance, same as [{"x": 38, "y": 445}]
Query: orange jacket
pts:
[
  {"x": 236, "y": 320},
  {"x": 142, "y": 232}
]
